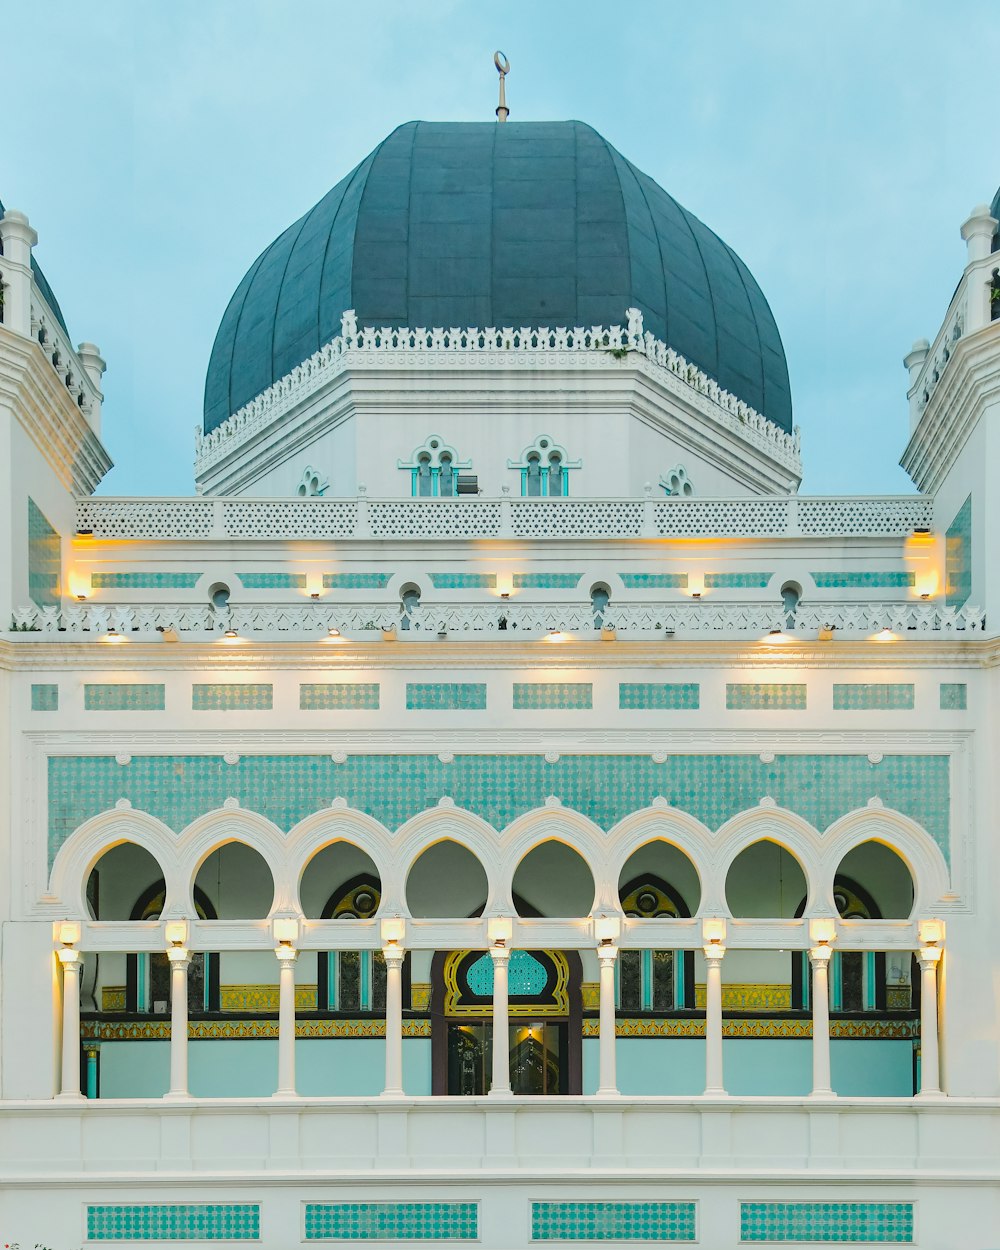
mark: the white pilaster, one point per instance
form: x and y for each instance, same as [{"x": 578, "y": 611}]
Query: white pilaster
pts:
[
  {"x": 819, "y": 960},
  {"x": 714, "y": 1083},
  {"x": 500, "y": 1084},
  {"x": 180, "y": 961},
  {"x": 70, "y": 1083},
  {"x": 394, "y": 956},
  {"x": 286, "y": 1021},
  {"x": 608, "y": 1084},
  {"x": 930, "y": 1069}
]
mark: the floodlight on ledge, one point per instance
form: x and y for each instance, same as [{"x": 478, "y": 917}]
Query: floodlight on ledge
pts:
[
  {"x": 113, "y": 635},
  {"x": 776, "y": 637},
  {"x": 388, "y": 633},
  {"x": 885, "y": 634},
  {"x": 231, "y": 634},
  {"x": 333, "y": 634},
  {"x": 499, "y": 930},
  {"x": 557, "y": 635}
]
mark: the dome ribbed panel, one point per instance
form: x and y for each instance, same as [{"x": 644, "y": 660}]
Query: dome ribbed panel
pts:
[{"x": 526, "y": 224}]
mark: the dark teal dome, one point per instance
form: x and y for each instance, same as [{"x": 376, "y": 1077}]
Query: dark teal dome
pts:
[
  {"x": 477, "y": 224},
  {"x": 41, "y": 282}
]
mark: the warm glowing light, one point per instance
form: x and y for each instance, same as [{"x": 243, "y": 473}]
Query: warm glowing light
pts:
[
  {"x": 607, "y": 929},
  {"x": 79, "y": 585},
  {"x": 175, "y": 932},
  {"x": 823, "y": 931},
  {"x": 713, "y": 930},
  {"x": 333, "y": 634},
  {"x": 388, "y": 633},
  {"x": 608, "y": 633},
  {"x": 393, "y": 930},
  {"x": 286, "y": 930},
  {"x": 930, "y": 932},
  {"x": 69, "y": 932},
  {"x": 884, "y": 635},
  {"x": 113, "y": 635},
  {"x": 931, "y": 953},
  {"x": 314, "y": 585},
  {"x": 776, "y": 637},
  {"x": 499, "y": 930},
  {"x": 557, "y": 635},
  {"x": 696, "y": 585}
]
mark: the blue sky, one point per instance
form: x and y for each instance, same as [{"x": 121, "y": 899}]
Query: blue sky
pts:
[{"x": 158, "y": 149}]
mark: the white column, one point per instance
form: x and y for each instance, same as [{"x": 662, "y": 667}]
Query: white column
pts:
[
  {"x": 286, "y": 1021},
  {"x": 15, "y": 271},
  {"x": 713, "y": 1019},
  {"x": 394, "y": 956},
  {"x": 930, "y": 1069},
  {"x": 180, "y": 961},
  {"x": 819, "y": 960},
  {"x": 70, "y": 1084},
  {"x": 608, "y": 1084},
  {"x": 500, "y": 1085}
]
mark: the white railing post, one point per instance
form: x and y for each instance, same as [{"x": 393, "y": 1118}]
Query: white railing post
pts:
[
  {"x": 931, "y": 938},
  {"x": 714, "y": 934},
  {"x": 607, "y": 955},
  {"x": 70, "y": 1083},
  {"x": 180, "y": 961}
]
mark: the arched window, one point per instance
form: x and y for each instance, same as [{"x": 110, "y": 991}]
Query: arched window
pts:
[
  {"x": 600, "y": 597},
  {"x": 409, "y": 604},
  {"x": 433, "y": 469},
  {"x": 313, "y": 482},
  {"x": 857, "y": 978},
  {"x": 544, "y": 468},
  {"x": 653, "y": 980},
  {"x": 353, "y": 982},
  {"x": 147, "y": 975},
  {"x": 676, "y": 483}
]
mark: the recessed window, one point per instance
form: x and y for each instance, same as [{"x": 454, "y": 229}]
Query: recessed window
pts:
[
  {"x": 434, "y": 469},
  {"x": 545, "y": 469}
]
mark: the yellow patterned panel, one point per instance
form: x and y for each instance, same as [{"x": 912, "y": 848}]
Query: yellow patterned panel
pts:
[
  {"x": 420, "y": 995},
  {"x": 590, "y": 995},
  {"x": 746, "y": 997},
  {"x": 113, "y": 998},
  {"x": 898, "y": 998},
  {"x": 230, "y": 1030},
  {"x": 892, "y": 1030},
  {"x": 254, "y": 998}
]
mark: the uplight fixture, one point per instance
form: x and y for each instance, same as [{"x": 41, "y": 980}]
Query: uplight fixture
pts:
[
  {"x": 499, "y": 930},
  {"x": 231, "y": 633}
]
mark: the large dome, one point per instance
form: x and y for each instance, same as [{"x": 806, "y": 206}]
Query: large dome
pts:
[{"x": 479, "y": 224}]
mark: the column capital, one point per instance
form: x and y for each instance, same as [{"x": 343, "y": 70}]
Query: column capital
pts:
[
  {"x": 714, "y": 954},
  {"x": 500, "y": 954},
  {"x": 394, "y": 954},
  {"x": 287, "y": 955},
  {"x": 607, "y": 954},
  {"x": 179, "y": 957},
  {"x": 820, "y": 955},
  {"x": 69, "y": 957}
]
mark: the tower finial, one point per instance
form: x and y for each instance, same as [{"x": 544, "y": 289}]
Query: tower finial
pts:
[{"x": 503, "y": 69}]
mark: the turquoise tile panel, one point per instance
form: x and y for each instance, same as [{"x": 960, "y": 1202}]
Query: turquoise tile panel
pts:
[
  {"x": 546, "y": 581},
  {"x": 765, "y": 696},
  {"x": 737, "y": 581},
  {"x": 355, "y": 696},
  {"x": 392, "y": 1221},
  {"x": 144, "y": 581},
  {"x": 614, "y": 1221},
  {"x": 654, "y": 581},
  {"x": 863, "y": 580},
  {"x": 356, "y": 581},
  {"x": 273, "y": 581},
  {"x": 872, "y": 696},
  {"x": 393, "y": 788},
  {"x": 649, "y": 695},
  {"x": 441, "y": 696},
  {"x": 954, "y": 696},
  {"x": 873, "y": 1223},
  {"x": 44, "y": 560},
  {"x": 124, "y": 697},
  {"x": 539, "y": 696},
  {"x": 45, "y": 697},
  {"x": 232, "y": 697},
  {"x": 958, "y": 556},
  {"x": 201, "y": 1221},
  {"x": 464, "y": 581}
]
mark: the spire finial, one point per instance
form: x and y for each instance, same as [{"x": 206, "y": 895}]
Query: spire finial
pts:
[{"x": 503, "y": 69}]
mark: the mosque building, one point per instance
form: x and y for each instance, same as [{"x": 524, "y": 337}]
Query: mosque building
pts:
[{"x": 495, "y": 807}]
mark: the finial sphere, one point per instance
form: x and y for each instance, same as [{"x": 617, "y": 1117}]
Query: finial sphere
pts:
[{"x": 501, "y": 62}]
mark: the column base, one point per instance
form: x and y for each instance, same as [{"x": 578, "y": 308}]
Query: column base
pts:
[
  {"x": 70, "y": 1098},
  {"x": 930, "y": 1095},
  {"x": 715, "y": 1091},
  {"x": 285, "y": 1093},
  {"x": 393, "y": 1093},
  {"x": 500, "y": 1093},
  {"x": 608, "y": 1093},
  {"x": 177, "y": 1095},
  {"x": 822, "y": 1095}
]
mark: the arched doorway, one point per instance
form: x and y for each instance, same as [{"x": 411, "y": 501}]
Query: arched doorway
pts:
[{"x": 545, "y": 1022}]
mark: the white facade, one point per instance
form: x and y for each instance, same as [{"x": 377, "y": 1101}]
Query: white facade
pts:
[{"x": 508, "y": 720}]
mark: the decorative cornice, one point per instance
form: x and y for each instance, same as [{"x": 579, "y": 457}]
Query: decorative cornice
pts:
[{"x": 526, "y": 347}]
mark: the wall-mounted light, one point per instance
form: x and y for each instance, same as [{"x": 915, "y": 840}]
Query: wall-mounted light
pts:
[
  {"x": 607, "y": 929},
  {"x": 823, "y": 931},
  {"x": 499, "y": 930},
  {"x": 393, "y": 931},
  {"x": 608, "y": 633},
  {"x": 826, "y": 633},
  {"x": 504, "y": 594},
  {"x": 388, "y": 633},
  {"x": 231, "y": 634},
  {"x": 286, "y": 931},
  {"x": 113, "y": 635},
  {"x": 69, "y": 933},
  {"x": 175, "y": 932},
  {"x": 885, "y": 634},
  {"x": 931, "y": 937},
  {"x": 713, "y": 933}
]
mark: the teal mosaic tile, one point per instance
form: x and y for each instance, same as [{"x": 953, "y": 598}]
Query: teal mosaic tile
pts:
[
  {"x": 44, "y": 558},
  {"x": 45, "y": 697},
  {"x": 765, "y": 696},
  {"x": 872, "y": 697},
  {"x": 355, "y": 696},
  {"x": 273, "y": 581},
  {"x": 958, "y": 556},
  {"x": 863, "y": 581},
  {"x": 873, "y": 1223},
  {"x": 737, "y": 581},
  {"x": 232, "y": 697},
  {"x": 392, "y": 1221},
  {"x": 954, "y": 696},
  {"x": 654, "y": 581},
  {"x": 202, "y": 1221},
  {"x": 464, "y": 581},
  {"x": 546, "y": 581},
  {"x": 440, "y": 696},
  {"x": 649, "y": 695},
  {"x": 498, "y": 788},
  {"x": 356, "y": 581},
  {"x": 547, "y": 696},
  {"x": 144, "y": 581},
  {"x": 614, "y": 1221},
  {"x": 124, "y": 697}
]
